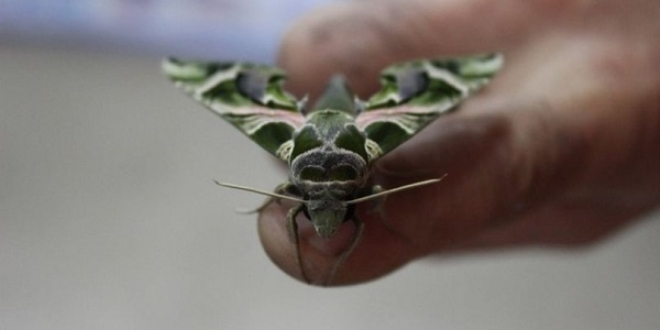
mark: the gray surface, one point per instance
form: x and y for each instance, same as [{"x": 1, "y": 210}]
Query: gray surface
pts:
[{"x": 109, "y": 220}]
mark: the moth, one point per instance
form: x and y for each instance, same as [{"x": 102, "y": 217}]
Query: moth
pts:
[{"x": 331, "y": 146}]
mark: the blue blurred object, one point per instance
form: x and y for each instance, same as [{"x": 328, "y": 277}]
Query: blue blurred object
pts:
[{"x": 214, "y": 29}]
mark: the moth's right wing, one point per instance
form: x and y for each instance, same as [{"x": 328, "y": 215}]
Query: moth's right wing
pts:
[{"x": 415, "y": 93}]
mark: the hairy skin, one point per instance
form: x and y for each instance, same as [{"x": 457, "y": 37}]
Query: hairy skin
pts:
[{"x": 562, "y": 149}]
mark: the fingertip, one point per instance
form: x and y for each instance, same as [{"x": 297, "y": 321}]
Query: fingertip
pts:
[
  {"x": 274, "y": 238},
  {"x": 379, "y": 252}
]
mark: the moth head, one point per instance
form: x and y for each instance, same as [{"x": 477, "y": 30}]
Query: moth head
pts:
[{"x": 326, "y": 215}]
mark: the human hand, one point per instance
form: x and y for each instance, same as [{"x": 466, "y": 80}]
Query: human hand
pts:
[{"x": 561, "y": 149}]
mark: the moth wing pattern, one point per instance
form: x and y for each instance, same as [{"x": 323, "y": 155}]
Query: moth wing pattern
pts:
[
  {"x": 414, "y": 93},
  {"x": 249, "y": 96}
]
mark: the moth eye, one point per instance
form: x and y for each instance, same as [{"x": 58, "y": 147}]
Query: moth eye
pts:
[
  {"x": 313, "y": 173},
  {"x": 343, "y": 173}
]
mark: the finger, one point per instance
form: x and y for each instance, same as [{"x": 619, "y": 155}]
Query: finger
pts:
[
  {"x": 360, "y": 38},
  {"x": 380, "y": 252}
]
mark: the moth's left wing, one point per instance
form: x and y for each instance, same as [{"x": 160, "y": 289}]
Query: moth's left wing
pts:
[
  {"x": 413, "y": 94},
  {"x": 249, "y": 96}
]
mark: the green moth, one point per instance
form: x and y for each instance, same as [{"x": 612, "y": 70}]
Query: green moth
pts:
[{"x": 331, "y": 146}]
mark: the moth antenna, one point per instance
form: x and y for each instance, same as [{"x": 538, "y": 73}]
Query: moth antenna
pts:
[
  {"x": 258, "y": 191},
  {"x": 244, "y": 211},
  {"x": 395, "y": 190},
  {"x": 302, "y": 104}
]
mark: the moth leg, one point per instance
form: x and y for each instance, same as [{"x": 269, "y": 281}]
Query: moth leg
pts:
[
  {"x": 357, "y": 238},
  {"x": 292, "y": 227}
]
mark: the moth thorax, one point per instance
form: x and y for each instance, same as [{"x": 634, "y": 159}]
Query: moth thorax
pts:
[{"x": 327, "y": 215}]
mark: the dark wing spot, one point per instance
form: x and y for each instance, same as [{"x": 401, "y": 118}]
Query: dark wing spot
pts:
[
  {"x": 411, "y": 82},
  {"x": 253, "y": 83}
]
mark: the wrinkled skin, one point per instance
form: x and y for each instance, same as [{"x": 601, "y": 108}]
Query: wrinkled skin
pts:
[{"x": 561, "y": 150}]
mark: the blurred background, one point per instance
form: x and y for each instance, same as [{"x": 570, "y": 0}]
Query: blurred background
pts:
[{"x": 109, "y": 218}]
